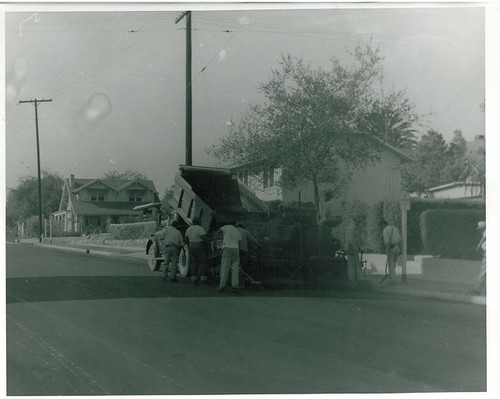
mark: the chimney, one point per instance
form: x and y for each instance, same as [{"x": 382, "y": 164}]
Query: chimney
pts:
[{"x": 72, "y": 181}]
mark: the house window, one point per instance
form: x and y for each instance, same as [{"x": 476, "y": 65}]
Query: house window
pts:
[
  {"x": 243, "y": 177},
  {"x": 135, "y": 196},
  {"x": 92, "y": 221},
  {"x": 268, "y": 177},
  {"x": 97, "y": 195}
]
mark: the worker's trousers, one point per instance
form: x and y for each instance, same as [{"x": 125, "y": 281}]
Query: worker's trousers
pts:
[
  {"x": 392, "y": 257},
  {"x": 354, "y": 272},
  {"x": 230, "y": 261},
  {"x": 197, "y": 264},
  {"x": 171, "y": 256},
  {"x": 481, "y": 278}
]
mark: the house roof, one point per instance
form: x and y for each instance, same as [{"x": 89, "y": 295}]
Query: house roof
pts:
[
  {"x": 117, "y": 185},
  {"x": 452, "y": 185},
  {"x": 105, "y": 208},
  {"x": 403, "y": 155}
]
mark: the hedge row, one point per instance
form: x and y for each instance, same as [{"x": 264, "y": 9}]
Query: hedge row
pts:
[
  {"x": 415, "y": 243},
  {"x": 451, "y": 233},
  {"x": 131, "y": 231},
  {"x": 464, "y": 213},
  {"x": 435, "y": 227}
]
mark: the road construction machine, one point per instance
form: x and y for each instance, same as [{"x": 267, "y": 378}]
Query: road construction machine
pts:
[{"x": 288, "y": 249}]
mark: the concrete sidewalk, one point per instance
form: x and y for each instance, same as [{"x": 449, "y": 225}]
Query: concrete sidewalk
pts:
[
  {"x": 416, "y": 285},
  {"x": 90, "y": 249}
]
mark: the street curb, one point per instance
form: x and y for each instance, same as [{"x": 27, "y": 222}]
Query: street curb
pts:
[
  {"x": 461, "y": 298},
  {"x": 88, "y": 251}
]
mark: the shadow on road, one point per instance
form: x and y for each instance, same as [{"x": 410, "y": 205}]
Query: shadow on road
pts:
[{"x": 68, "y": 288}]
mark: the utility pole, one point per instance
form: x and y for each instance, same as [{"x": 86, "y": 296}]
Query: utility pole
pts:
[
  {"x": 36, "y": 102},
  {"x": 189, "y": 101}
]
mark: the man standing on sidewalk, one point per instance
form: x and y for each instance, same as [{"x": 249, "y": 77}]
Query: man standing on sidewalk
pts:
[
  {"x": 231, "y": 239},
  {"x": 481, "y": 247},
  {"x": 392, "y": 244},
  {"x": 171, "y": 238}
]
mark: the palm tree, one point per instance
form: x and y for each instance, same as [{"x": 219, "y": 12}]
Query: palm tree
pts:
[{"x": 391, "y": 119}]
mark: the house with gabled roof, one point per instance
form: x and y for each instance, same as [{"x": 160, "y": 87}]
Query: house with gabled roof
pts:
[
  {"x": 89, "y": 205},
  {"x": 378, "y": 182}
]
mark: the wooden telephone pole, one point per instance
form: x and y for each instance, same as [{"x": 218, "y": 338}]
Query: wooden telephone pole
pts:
[
  {"x": 189, "y": 101},
  {"x": 36, "y": 102}
]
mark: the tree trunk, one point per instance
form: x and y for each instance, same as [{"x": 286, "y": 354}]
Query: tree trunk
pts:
[{"x": 316, "y": 198}]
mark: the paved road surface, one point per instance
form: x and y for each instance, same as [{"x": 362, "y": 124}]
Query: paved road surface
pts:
[{"x": 81, "y": 325}]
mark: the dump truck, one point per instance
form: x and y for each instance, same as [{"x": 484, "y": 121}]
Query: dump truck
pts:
[{"x": 287, "y": 233}]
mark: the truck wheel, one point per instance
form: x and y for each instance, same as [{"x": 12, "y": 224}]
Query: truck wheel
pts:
[
  {"x": 153, "y": 263},
  {"x": 183, "y": 263}
]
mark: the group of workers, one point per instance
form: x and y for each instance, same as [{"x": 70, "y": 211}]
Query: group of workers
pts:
[
  {"x": 236, "y": 240},
  {"x": 235, "y": 245}
]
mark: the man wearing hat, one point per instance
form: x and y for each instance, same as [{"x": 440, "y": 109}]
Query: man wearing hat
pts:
[
  {"x": 171, "y": 239},
  {"x": 481, "y": 247}
]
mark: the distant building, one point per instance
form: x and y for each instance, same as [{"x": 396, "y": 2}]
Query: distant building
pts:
[
  {"x": 456, "y": 190},
  {"x": 467, "y": 189},
  {"x": 380, "y": 181},
  {"x": 91, "y": 204}
]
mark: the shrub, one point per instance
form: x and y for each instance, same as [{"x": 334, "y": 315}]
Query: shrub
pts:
[
  {"x": 377, "y": 213},
  {"x": 132, "y": 231},
  {"x": 353, "y": 209},
  {"x": 451, "y": 233},
  {"x": 390, "y": 210},
  {"x": 420, "y": 205},
  {"x": 32, "y": 226},
  {"x": 373, "y": 224}
]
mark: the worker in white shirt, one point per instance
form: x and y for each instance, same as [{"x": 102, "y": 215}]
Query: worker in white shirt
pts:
[
  {"x": 392, "y": 244},
  {"x": 195, "y": 238},
  {"x": 230, "y": 261}
]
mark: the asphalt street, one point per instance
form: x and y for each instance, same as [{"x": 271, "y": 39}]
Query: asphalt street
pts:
[{"x": 82, "y": 324}]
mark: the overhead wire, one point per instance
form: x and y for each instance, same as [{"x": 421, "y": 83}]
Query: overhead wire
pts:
[{"x": 120, "y": 49}]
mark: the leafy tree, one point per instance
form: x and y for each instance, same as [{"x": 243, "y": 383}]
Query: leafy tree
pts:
[
  {"x": 166, "y": 208},
  {"x": 474, "y": 170},
  {"x": 392, "y": 118},
  {"x": 310, "y": 122},
  {"x": 430, "y": 161},
  {"x": 437, "y": 163},
  {"x": 457, "y": 158},
  {"x": 22, "y": 201},
  {"x": 126, "y": 175}
]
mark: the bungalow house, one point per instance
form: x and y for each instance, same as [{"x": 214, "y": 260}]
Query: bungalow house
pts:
[
  {"x": 381, "y": 181},
  {"x": 91, "y": 204},
  {"x": 457, "y": 190},
  {"x": 470, "y": 187}
]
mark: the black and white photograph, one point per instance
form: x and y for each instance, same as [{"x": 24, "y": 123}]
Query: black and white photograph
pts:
[{"x": 249, "y": 198}]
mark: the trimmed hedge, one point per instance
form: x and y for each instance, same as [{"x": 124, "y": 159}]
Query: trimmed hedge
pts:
[
  {"x": 451, "y": 233},
  {"x": 358, "y": 210},
  {"x": 131, "y": 231},
  {"x": 391, "y": 211},
  {"x": 415, "y": 245}
]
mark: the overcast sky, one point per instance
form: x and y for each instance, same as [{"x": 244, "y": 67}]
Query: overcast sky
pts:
[{"x": 116, "y": 79}]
